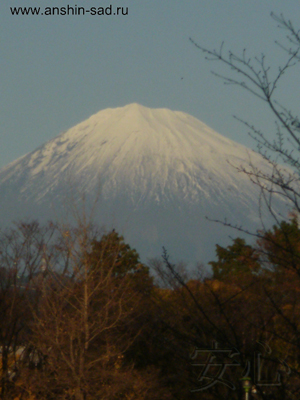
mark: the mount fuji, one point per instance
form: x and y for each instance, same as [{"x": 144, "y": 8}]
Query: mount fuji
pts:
[{"x": 157, "y": 175}]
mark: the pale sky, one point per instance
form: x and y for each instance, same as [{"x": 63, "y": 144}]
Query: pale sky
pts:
[{"x": 58, "y": 70}]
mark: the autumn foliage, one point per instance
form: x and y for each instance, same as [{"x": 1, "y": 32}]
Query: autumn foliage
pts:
[{"x": 81, "y": 318}]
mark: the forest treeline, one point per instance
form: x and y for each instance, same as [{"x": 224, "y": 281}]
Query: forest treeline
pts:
[{"x": 82, "y": 318}]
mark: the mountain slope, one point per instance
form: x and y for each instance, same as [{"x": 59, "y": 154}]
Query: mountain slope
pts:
[{"x": 158, "y": 173}]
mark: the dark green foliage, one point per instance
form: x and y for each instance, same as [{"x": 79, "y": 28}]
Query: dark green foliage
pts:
[
  {"x": 235, "y": 260},
  {"x": 112, "y": 250},
  {"x": 281, "y": 247}
]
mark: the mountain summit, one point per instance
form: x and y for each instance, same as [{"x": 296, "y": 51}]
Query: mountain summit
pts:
[{"x": 158, "y": 174}]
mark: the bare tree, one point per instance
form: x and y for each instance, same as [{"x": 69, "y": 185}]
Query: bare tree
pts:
[
  {"x": 255, "y": 76},
  {"x": 21, "y": 254},
  {"x": 85, "y": 321}
]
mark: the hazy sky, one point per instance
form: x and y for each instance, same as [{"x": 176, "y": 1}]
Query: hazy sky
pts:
[{"x": 58, "y": 70}]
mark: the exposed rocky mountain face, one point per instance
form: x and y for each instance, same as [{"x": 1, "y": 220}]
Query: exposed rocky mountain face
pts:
[{"x": 156, "y": 175}]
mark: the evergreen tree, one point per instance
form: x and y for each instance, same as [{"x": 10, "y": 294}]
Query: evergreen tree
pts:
[{"x": 235, "y": 260}]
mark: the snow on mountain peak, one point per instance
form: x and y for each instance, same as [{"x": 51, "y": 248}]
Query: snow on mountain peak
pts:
[{"x": 150, "y": 165}]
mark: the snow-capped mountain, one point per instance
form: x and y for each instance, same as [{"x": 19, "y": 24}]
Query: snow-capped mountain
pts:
[{"x": 156, "y": 173}]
